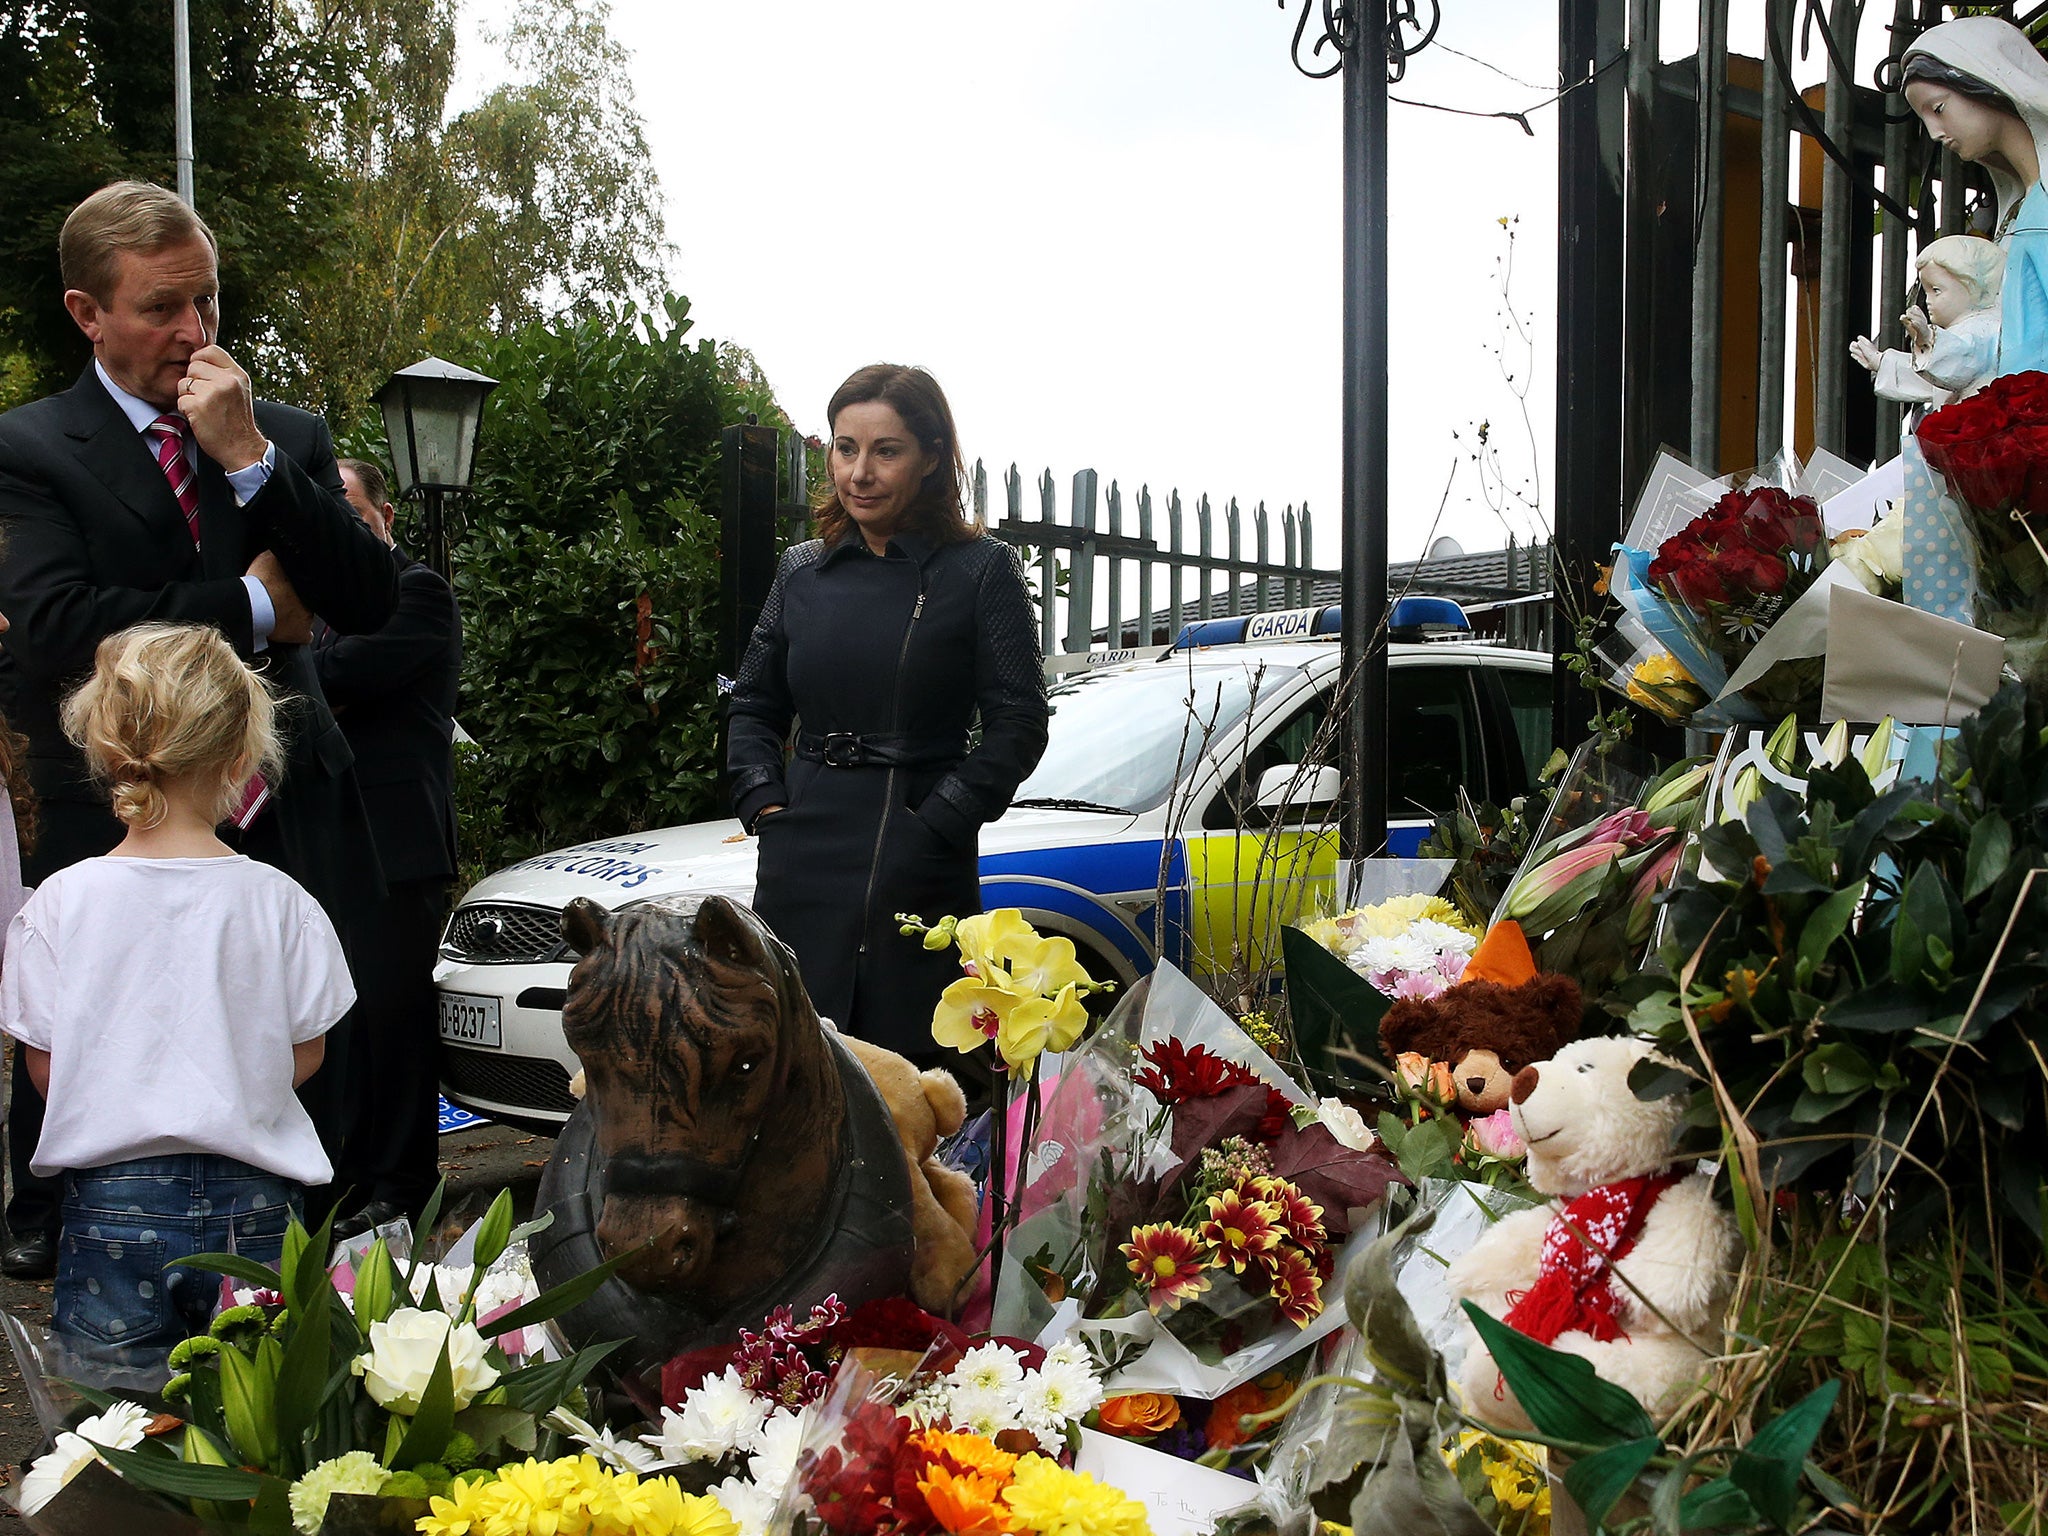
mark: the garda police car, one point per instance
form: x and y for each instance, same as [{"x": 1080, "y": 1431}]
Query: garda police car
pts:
[{"x": 1184, "y": 807}]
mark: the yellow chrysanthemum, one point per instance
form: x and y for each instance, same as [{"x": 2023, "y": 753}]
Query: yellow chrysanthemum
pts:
[
  {"x": 1047, "y": 1499},
  {"x": 461, "y": 1514}
]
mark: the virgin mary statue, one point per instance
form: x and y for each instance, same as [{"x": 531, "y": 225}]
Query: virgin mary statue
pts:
[{"x": 1982, "y": 90}]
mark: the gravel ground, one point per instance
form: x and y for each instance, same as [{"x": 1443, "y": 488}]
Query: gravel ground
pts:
[{"x": 478, "y": 1163}]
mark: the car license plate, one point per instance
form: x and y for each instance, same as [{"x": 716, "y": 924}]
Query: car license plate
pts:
[{"x": 467, "y": 1019}]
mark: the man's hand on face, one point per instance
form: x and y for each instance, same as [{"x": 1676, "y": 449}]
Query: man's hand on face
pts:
[
  {"x": 216, "y": 399},
  {"x": 294, "y": 624}
]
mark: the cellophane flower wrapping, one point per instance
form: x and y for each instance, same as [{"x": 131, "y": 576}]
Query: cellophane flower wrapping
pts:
[
  {"x": 1110, "y": 1189},
  {"x": 1706, "y": 569},
  {"x": 1992, "y": 450},
  {"x": 1608, "y": 845}
]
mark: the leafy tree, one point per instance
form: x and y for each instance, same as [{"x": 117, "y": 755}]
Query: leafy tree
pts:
[
  {"x": 85, "y": 97},
  {"x": 588, "y": 577},
  {"x": 360, "y": 221},
  {"x": 538, "y": 202}
]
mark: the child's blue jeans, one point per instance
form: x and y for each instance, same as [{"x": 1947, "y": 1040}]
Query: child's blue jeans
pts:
[{"x": 124, "y": 1222}]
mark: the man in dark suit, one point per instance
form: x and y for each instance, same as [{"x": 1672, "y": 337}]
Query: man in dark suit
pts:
[
  {"x": 394, "y": 693},
  {"x": 158, "y": 489}
]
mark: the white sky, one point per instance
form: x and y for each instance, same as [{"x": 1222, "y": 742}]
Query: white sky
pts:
[{"x": 1111, "y": 229}]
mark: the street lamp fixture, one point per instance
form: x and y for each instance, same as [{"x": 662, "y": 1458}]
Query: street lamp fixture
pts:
[{"x": 432, "y": 413}]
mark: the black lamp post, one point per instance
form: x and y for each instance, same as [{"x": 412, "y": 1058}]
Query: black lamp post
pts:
[
  {"x": 1370, "y": 42},
  {"x": 432, "y": 412}
]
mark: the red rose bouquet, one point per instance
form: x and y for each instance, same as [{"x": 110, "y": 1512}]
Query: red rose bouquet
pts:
[
  {"x": 1727, "y": 575},
  {"x": 1992, "y": 449}
]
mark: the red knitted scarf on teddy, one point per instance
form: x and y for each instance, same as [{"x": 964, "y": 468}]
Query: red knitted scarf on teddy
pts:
[{"x": 1573, "y": 1292}]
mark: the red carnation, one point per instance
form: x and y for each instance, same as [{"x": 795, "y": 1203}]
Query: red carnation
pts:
[{"x": 1179, "y": 1073}]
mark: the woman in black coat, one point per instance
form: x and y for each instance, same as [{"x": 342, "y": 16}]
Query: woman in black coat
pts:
[{"x": 881, "y": 641}]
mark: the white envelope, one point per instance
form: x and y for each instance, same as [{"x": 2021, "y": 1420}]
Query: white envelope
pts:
[
  {"x": 1183, "y": 1498},
  {"x": 1887, "y": 659}
]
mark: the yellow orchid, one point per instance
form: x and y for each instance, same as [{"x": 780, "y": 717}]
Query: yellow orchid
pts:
[
  {"x": 1036, "y": 1025},
  {"x": 1043, "y": 965},
  {"x": 988, "y": 939},
  {"x": 971, "y": 1011},
  {"x": 1022, "y": 989}
]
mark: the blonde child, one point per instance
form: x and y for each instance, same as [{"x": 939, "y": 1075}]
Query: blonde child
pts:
[{"x": 169, "y": 997}]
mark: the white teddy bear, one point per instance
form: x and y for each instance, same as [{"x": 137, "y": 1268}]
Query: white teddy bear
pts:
[{"x": 1644, "y": 1305}]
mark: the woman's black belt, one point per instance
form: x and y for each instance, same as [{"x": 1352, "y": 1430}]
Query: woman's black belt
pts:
[{"x": 849, "y": 749}]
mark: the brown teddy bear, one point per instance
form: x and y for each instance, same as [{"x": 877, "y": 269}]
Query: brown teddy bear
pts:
[
  {"x": 927, "y": 1106},
  {"x": 1497, "y": 1020}
]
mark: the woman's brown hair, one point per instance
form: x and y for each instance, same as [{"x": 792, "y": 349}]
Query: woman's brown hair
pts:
[
  {"x": 939, "y": 512},
  {"x": 20, "y": 793}
]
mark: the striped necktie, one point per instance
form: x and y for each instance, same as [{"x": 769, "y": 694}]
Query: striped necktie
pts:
[{"x": 170, "y": 431}]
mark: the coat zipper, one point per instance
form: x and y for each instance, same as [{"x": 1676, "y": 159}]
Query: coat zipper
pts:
[{"x": 889, "y": 784}]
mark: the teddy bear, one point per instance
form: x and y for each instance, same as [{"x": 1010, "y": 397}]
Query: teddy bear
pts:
[
  {"x": 926, "y": 1107},
  {"x": 1498, "y": 1018},
  {"x": 1643, "y": 1302}
]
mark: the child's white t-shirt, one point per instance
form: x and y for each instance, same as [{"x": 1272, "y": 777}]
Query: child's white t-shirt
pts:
[{"x": 169, "y": 994}]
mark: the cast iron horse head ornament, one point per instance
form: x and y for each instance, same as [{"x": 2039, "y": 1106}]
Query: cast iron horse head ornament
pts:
[{"x": 728, "y": 1145}]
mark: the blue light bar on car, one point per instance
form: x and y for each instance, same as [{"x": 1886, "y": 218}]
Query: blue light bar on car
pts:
[{"x": 1411, "y": 617}]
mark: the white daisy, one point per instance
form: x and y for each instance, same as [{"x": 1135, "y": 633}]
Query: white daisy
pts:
[
  {"x": 751, "y": 1506},
  {"x": 56, "y": 1467},
  {"x": 987, "y": 1368},
  {"x": 720, "y": 1417}
]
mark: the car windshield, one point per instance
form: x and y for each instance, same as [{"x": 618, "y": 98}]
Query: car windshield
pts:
[{"x": 1121, "y": 739}]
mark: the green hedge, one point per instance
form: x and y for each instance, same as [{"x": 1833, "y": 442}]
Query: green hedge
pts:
[{"x": 596, "y": 502}]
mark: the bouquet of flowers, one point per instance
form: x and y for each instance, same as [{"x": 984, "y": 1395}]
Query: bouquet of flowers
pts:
[
  {"x": 1587, "y": 890},
  {"x": 735, "y": 1418},
  {"x": 1992, "y": 449},
  {"x": 1187, "y": 1203},
  {"x": 1406, "y": 946},
  {"x": 884, "y": 1455},
  {"x": 383, "y": 1377},
  {"x": 1722, "y": 581}
]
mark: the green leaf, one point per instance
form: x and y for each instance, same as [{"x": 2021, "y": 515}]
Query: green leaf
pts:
[
  {"x": 427, "y": 1436},
  {"x": 1561, "y": 1394},
  {"x": 1715, "y": 1504},
  {"x": 428, "y": 1216},
  {"x": 184, "y": 1479},
  {"x": 235, "y": 1267},
  {"x": 539, "y": 1388},
  {"x": 1838, "y": 1067},
  {"x": 570, "y": 1293},
  {"x": 1990, "y": 854},
  {"x": 295, "y": 1243},
  {"x": 1768, "y": 1469},
  {"x": 302, "y": 1375},
  {"x": 1667, "y": 1503},
  {"x": 1824, "y": 925},
  {"x": 1400, "y": 1355},
  {"x": 1597, "y": 1481}
]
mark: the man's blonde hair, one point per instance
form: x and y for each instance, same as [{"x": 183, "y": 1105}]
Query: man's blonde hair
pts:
[
  {"x": 123, "y": 216},
  {"x": 166, "y": 701}
]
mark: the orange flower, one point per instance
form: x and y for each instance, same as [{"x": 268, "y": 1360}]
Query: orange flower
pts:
[
  {"x": 966, "y": 1505},
  {"x": 964, "y": 1454},
  {"x": 1138, "y": 1415},
  {"x": 1432, "y": 1078},
  {"x": 1222, "y": 1431}
]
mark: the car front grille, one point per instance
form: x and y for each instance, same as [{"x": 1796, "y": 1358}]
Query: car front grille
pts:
[
  {"x": 529, "y": 1082},
  {"x": 501, "y": 933}
]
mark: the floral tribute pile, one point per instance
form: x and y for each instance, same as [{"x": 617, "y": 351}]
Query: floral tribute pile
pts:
[
  {"x": 1406, "y": 946},
  {"x": 736, "y": 1419},
  {"x": 886, "y": 1457}
]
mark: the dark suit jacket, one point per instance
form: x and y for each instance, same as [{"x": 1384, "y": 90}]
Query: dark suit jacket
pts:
[
  {"x": 92, "y": 541},
  {"x": 394, "y": 693}
]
